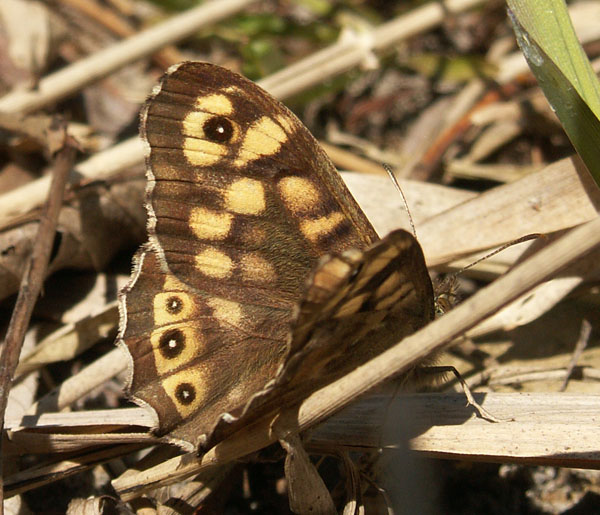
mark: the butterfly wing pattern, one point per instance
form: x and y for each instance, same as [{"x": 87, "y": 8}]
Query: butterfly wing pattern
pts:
[{"x": 231, "y": 298}]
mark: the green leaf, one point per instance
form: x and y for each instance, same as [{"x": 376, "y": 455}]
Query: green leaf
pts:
[{"x": 548, "y": 41}]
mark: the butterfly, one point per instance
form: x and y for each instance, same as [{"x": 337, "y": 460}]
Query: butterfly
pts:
[{"x": 261, "y": 279}]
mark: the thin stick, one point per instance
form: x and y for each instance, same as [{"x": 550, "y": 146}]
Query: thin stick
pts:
[
  {"x": 584, "y": 336},
  {"x": 104, "y": 16},
  {"x": 348, "y": 53},
  {"x": 72, "y": 78},
  {"x": 31, "y": 283}
]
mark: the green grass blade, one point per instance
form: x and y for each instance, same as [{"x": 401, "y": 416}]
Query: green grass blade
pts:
[{"x": 547, "y": 39}]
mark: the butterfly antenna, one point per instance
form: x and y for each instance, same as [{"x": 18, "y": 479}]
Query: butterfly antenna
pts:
[
  {"x": 522, "y": 239},
  {"x": 446, "y": 290},
  {"x": 390, "y": 172}
]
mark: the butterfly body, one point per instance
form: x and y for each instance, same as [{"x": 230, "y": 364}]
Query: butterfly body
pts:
[{"x": 231, "y": 298}]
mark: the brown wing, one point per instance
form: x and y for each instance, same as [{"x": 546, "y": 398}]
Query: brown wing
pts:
[
  {"x": 194, "y": 357},
  {"x": 357, "y": 304},
  {"x": 239, "y": 188},
  {"x": 241, "y": 202}
]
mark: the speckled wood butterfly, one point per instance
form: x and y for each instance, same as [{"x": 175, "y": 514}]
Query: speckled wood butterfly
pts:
[{"x": 261, "y": 279}]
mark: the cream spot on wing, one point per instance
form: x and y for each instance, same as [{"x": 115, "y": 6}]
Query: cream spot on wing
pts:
[
  {"x": 170, "y": 307},
  {"x": 377, "y": 264},
  {"x": 174, "y": 346},
  {"x": 388, "y": 286},
  {"x": 226, "y": 312},
  {"x": 315, "y": 229},
  {"x": 214, "y": 263},
  {"x": 187, "y": 390},
  {"x": 215, "y": 104},
  {"x": 263, "y": 138},
  {"x": 351, "y": 306},
  {"x": 395, "y": 297},
  {"x": 193, "y": 124},
  {"x": 330, "y": 274},
  {"x": 210, "y": 225},
  {"x": 246, "y": 197},
  {"x": 299, "y": 194},
  {"x": 197, "y": 149},
  {"x": 256, "y": 268},
  {"x": 286, "y": 123}
]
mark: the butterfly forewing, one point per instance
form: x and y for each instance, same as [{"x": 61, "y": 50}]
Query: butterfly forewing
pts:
[{"x": 241, "y": 194}]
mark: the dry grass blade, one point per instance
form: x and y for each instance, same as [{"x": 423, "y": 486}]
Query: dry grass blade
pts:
[
  {"x": 560, "y": 196},
  {"x": 35, "y": 477},
  {"x": 70, "y": 340},
  {"x": 350, "y": 53},
  {"x": 100, "y": 166},
  {"x": 548, "y": 428},
  {"x": 80, "y": 384},
  {"x": 71, "y": 79},
  {"x": 282, "y": 84},
  {"x": 81, "y": 419}
]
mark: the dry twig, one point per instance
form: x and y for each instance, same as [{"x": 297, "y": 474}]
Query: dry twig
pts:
[{"x": 33, "y": 279}]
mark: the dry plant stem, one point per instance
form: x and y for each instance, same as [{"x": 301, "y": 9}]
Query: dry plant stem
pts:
[
  {"x": 65, "y": 446},
  {"x": 398, "y": 359},
  {"x": 80, "y": 384},
  {"x": 347, "y": 54},
  {"x": 564, "y": 190},
  {"x": 44, "y": 474},
  {"x": 433, "y": 157},
  {"x": 548, "y": 428},
  {"x": 70, "y": 340},
  {"x": 106, "y": 17},
  {"x": 34, "y": 127},
  {"x": 582, "y": 341},
  {"x": 72, "y": 78},
  {"x": 100, "y": 166},
  {"x": 333, "y": 60},
  {"x": 115, "y": 418},
  {"x": 345, "y": 160},
  {"x": 33, "y": 279},
  {"x": 281, "y": 85}
]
